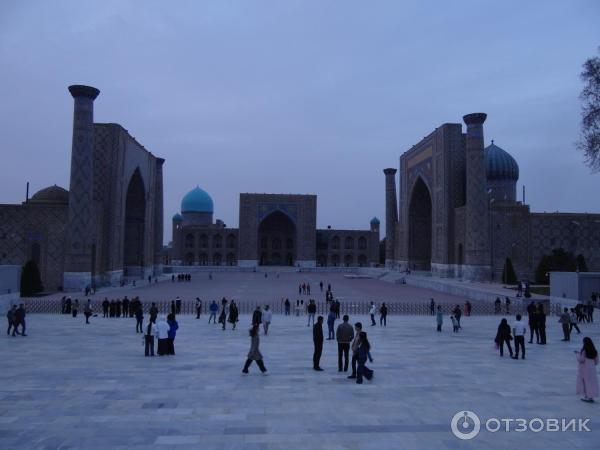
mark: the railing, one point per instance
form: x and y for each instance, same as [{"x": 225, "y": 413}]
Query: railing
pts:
[{"x": 352, "y": 308}]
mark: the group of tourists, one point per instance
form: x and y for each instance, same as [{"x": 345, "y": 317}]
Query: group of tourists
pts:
[
  {"x": 182, "y": 277},
  {"x": 228, "y": 312},
  {"x": 16, "y": 318},
  {"x": 121, "y": 307},
  {"x": 163, "y": 329}
]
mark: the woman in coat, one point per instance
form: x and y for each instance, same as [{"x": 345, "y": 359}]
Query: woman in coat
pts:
[
  {"x": 173, "y": 327},
  {"x": 503, "y": 336},
  {"x": 362, "y": 354},
  {"x": 233, "y": 314},
  {"x": 587, "y": 378},
  {"x": 254, "y": 353}
]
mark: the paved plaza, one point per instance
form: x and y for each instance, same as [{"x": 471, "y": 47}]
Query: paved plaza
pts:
[
  {"x": 277, "y": 285},
  {"x": 71, "y": 385}
]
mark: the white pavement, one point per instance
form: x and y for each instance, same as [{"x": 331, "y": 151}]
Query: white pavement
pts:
[{"x": 71, "y": 385}]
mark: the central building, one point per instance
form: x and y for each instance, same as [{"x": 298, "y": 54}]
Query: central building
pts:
[{"x": 275, "y": 230}]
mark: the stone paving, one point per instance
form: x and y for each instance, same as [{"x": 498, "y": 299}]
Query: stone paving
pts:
[{"x": 71, "y": 385}]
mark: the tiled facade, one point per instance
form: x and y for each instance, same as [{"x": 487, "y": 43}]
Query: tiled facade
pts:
[
  {"x": 458, "y": 220},
  {"x": 108, "y": 225},
  {"x": 275, "y": 230}
]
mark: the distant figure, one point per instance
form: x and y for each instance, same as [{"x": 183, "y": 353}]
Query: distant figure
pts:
[
  {"x": 162, "y": 335},
  {"x": 12, "y": 320},
  {"x": 125, "y": 307},
  {"x": 363, "y": 353},
  {"x": 497, "y": 305},
  {"x": 223, "y": 315},
  {"x": 355, "y": 343},
  {"x": 503, "y": 336},
  {"x": 311, "y": 309},
  {"x": 254, "y": 353},
  {"x": 178, "y": 305},
  {"x": 432, "y": 307},
  {"x": 149, "y": 339},
  {"x": 198, "y": 307},
  {"x": 541, "y": 323},
  {"x": 213, "y": 308},
  {"x": 372, "y": 314},
  {"x": 266, "y": 318},
  {"x": 298, "y": 308},
  {"x": 233, "y": 314},
  {"x": 532, "y": 318},
  {"x": 287, "y": 306},
  {"x": 457, "y": 315},
  {"x": 139, "y": 320},
  {"x": 318, "y": 343},
  {"x": 87, "y": 311},
  {"x": 565, "y": 320},
  {"x": 330, "y": 325},
  {"x": 257, "y": 317},
  {"x": 468, "y": 308},
  {"x": 153, "y": 312},
  {"x": 439, "y": 318},
  {"x": 105, "y": 306},
  {"x": 587, "y": 377},
  {"x": 173, "y": 327},
  {"x": 507, "y": 303},
  {"x": 344, "y": 336},
  {"x": 321, "y": 285},
  {"x": 75, "y": 307},
  {"x": 383, "y": 311},
  {"x": 455, "y": 325},
  {"x": 519, "y": 331}
]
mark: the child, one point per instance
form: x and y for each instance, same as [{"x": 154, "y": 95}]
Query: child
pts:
[{"x": 454, "y": 323}]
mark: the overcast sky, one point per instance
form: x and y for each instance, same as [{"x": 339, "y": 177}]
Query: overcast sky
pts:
[{"x": 297, "y": 96}]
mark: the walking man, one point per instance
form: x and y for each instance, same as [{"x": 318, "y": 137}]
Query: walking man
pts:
[
  {"x": 344, "y": 335},
  {"x": 519, "y": 331},
  {"x": 311, "y": 310},
  {"x": 318, "y": 341}
]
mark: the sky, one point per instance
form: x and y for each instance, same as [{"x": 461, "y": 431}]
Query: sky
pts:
[{"x": 306, "y": 97}]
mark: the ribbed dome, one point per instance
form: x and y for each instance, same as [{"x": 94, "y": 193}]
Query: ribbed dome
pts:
[
  {"x": 375, "y": 221},
  {"x": 197, "y": 200},
  {"x": 177, "y": 217},
  {"x": 499, "y": 164},
  {"x": 51, "y": 194}
]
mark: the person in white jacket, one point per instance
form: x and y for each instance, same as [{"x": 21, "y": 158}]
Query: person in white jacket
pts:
[
  {"x": 267, "y": 315},
  {"x": 162, "y": 334},
  {"x": 372, "y": 313}
]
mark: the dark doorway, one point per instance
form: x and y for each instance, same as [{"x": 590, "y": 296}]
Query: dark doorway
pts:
[
  {"x": 419, "y": 238},
  {"x": 135, "y": 214},
  {"x": 275, "y": 229}
]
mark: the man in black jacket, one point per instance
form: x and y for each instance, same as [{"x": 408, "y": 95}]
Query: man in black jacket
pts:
[
  {"x": 344, "y": 335},
  {"x": 318, "y": 341}
]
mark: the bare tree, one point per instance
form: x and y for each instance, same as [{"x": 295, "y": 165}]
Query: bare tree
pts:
[{"x": 589, "y": 143}]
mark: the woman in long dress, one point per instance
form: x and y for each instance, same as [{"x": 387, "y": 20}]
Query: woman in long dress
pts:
[
  {"x": 254, "y": 353},
  {"x": 233, "y": 314},
  {"x": 587, "y": 377}
]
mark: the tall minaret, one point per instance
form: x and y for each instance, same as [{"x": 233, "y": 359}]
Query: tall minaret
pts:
[
  {"x": 477, "y": 219},
  {"x": 391, "y": 216},
  {"x": 81, "y": 234},
  {"x": 158, "y": 218}
]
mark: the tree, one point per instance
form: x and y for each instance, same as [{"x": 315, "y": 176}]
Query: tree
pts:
[
  {"x": 508, "y": 272},
  {"x": 31, "y": 282},
  {"x": 589, "y": 143},
  {"x": 558, "y": 261},
  {"x": 581, "y": 264}
]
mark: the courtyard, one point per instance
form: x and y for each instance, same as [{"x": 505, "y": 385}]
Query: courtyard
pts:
[{"x": 72, "y": 385}]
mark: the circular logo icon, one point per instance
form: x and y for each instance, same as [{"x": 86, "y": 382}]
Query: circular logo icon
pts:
[{"x": 465, "y": 425}]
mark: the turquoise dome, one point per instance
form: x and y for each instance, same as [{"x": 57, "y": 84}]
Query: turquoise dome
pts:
[
  {"x": 197, "y": 201},
  {"x": 499, "y": 164},
  {"x": 375, "y": 221},
  {"x": 177, "y": 218}
]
